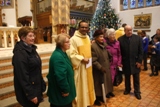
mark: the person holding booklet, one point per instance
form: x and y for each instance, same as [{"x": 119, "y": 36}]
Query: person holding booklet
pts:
[
  {"x": 80, "y": 55},
  {"x": 114, "y": 48}
]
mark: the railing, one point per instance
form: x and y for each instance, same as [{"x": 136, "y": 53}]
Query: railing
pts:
[{"x": 8, "y": 37}]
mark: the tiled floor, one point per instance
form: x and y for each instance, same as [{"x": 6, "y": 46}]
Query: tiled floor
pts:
[{"x": 150, "y": 92}]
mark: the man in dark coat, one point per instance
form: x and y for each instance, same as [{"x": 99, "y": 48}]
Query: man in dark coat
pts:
[{"x": 132, "y": 53}]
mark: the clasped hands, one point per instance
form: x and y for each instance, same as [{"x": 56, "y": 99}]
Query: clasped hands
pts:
[
  {"x": 153, "y": 46},
  {"x": 65, "y": 94},
  {"x": 103, "y": 70},
  {"x": 138, "y": 64},
  {"x": 85, "y": 60},
  {"x": 35, "y": 100}
]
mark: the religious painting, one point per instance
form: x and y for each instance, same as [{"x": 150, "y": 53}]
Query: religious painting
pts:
[
  {"x": 7, "y": 3},
  {"x": 86, "y": 6},
  {"x": 132, "y": 3},
  {"x": 157, "y": 2},
  {"x": 2, "y": 3},
  {"x": 142, "y": 20},
  {"x": 140, "y": 3},
  {"x": 148, "y": 2},
  {"x": 125, "y": 4}
]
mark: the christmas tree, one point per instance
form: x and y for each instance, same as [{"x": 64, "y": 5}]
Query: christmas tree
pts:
[{"x": 104, "y": 17}]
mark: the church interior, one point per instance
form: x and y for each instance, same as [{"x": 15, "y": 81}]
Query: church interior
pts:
[{"x": 52, "y": 17}]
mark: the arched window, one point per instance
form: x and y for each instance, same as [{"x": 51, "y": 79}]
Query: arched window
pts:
[
  {"x": 125, "y": 4},
  {"x": 140, "y": 3},
  {"x": 134, "y": 4},
  {"x": 149, "y": 2}
]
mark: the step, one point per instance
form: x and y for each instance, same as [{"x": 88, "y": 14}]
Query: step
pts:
[
  {"x": 7, "y": 54},
  {"x": 11, "y": 101},
  {"x": 11, "y": 88},
  {"x": 9, "y": 91},
  {"x": 8, "y": 60},
  {"x": 40, "y": 52},
  {"x": 5, "y": 71},
  {"x": 45, "y": 57},
  {"x": 4, "y": 67},
  {"x": 6, "y": 57},
  {"x": 6, "y": 80},
  {"x": 6, "y": 64},
  {"x": 9, "y": 79},
  {"x": 9, "y": 72},
  {"x": 6, "y": 90},
  {"x": 10, "y": 63},
  {"x": 45, "y": 103},
  {"x": 8, "y": 101}
]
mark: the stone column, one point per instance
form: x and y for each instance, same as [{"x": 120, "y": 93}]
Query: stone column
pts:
[
  {"x": 16, "y": 10},
  {"x": 0, "y": 13},
  {"x": 33, "y": 9},
  {"x": 1, "y": 35},
  {"x": 60, "y": 16}
]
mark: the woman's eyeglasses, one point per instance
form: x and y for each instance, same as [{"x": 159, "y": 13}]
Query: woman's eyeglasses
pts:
[{"x": 31, "y": 36}]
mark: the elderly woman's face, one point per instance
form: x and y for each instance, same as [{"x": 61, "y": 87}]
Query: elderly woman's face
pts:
[
  {"x": 29, "y": 39},
  {"x": 100, "y": 38},
  {"x": 111, "y": 37},
  {"x": 66, "y": 44}
]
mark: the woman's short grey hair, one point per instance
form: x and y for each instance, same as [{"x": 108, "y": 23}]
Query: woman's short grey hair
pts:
[
  {"x": 60, "y": 39},
  {"x": 110, "y": 31}
]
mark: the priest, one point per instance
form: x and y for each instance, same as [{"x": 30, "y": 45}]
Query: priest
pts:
[{"x": 80, "y": 55}]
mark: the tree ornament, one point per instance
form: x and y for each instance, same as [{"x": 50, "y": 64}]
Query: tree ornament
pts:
[{"x": 104, "y": 16}]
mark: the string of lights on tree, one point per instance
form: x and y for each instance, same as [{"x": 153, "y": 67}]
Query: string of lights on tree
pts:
[{"x": 104, "y": 17}]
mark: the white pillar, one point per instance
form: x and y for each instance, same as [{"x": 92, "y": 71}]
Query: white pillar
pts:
[
  {"x": 53, "y": 38},
  {"x": 5, "y": 39},
  {"x": 12, "y": 39}
]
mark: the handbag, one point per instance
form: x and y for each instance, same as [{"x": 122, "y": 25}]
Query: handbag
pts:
[{"x": 118, "y": 78}]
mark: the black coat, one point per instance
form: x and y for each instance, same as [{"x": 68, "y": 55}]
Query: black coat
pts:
[
  {"x": 132, "y": 52},
  {"x": 28, "y": 80}
]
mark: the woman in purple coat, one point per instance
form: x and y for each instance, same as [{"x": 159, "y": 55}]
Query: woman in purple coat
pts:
[{"x": 114, "y": 48}]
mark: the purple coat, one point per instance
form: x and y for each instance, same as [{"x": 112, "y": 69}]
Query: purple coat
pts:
[{"x": 114, "y": 49}]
